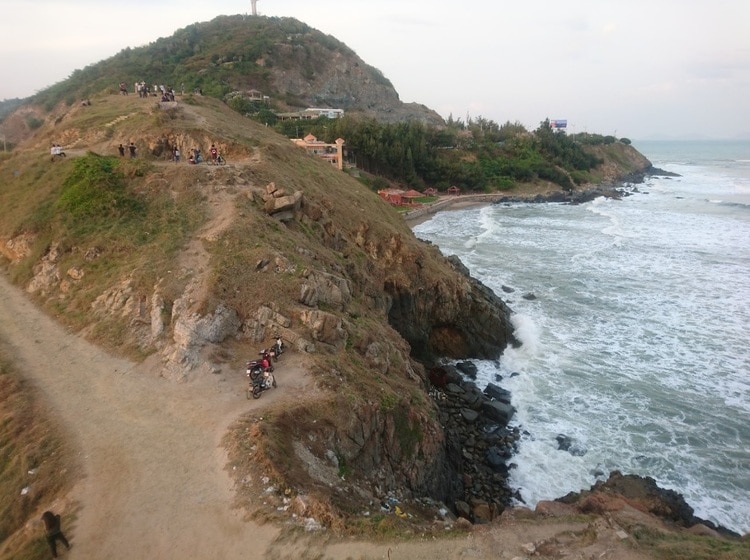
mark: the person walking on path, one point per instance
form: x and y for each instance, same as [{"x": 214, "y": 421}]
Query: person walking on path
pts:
[
  {"x": 132, "y": 150},
  {"x": 121, "y": 149},
  {"x": 54, "y": 532}
]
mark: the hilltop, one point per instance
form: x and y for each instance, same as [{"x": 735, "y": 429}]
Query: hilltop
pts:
[{"x": 278, "y": 64}]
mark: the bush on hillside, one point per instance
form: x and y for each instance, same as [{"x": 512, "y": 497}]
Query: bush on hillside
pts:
[{"x": 95, "y": 191}]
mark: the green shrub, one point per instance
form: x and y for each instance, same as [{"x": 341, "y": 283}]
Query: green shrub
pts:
[
  {"x": 95, "y": 192},
  {"x": 33, "y": 122},
  {"x": 580, "y": 177}
]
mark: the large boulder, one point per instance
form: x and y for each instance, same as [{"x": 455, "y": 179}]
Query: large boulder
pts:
[{"x": 498, "y": 411}]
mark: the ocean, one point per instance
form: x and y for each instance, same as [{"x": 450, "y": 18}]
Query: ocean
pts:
[{"x": 636, "y": 342}]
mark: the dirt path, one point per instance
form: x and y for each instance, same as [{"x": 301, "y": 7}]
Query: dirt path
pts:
[{"x": 153, "y": 483}]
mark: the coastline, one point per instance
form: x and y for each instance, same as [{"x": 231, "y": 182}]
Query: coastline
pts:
[
  {"x": 424, "y": 214},
  {"x": 459, "y": 202},
  {"x": 456, "y": 202}
]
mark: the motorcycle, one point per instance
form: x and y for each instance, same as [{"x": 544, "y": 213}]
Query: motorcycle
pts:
[
  {"x": 261, "y": 379},
  {"x": 277, "y": 349}
]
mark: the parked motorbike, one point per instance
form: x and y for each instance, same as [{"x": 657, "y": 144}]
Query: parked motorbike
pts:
[
  {"x": 277, "y": 349},
  {"x": 261, "y": 379}
]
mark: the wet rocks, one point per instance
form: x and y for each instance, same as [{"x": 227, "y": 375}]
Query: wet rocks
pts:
[{"x": 479, "y": 442}]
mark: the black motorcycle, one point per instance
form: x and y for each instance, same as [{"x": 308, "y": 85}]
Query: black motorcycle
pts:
[{"x": 261, "y": 379}]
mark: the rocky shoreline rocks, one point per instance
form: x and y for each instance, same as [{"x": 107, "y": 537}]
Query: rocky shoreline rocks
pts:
[
  {"x": 481, "y": 445},
  {"x": 479, "y": 442}
]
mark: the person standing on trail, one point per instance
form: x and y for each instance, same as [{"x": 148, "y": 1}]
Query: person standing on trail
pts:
[
  {"x": 53, "y": 531},
  {"x": 121, "y": 149},
  {"x": 214, "y": 153},
  {"x": 131, "y": 148}
]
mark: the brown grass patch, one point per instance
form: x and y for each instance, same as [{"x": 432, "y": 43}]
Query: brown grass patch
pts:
[{"x": 35, "y": 463}]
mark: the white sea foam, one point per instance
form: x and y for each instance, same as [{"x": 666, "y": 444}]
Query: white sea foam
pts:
[{"x": 636, "y": 343}]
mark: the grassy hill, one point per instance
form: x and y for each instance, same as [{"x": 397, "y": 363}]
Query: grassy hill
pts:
[
  {"x": 293, "y": 65},
  {"x": 147, "y": 256}
]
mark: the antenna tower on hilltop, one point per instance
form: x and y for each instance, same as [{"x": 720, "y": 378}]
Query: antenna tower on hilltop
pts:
[{"x": 255, "y": 7}]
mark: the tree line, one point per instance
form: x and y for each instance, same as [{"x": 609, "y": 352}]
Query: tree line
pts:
[{"x": 477, "y": 154}]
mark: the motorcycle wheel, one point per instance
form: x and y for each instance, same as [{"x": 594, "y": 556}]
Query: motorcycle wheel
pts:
[
  {"x": 256, "y": 392},
  {"x": 273, "y": 384}
]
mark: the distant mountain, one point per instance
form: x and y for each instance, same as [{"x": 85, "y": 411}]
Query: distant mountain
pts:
[{"x": 292, "y": 64}]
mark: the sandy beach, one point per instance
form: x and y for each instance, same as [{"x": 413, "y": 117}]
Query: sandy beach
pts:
[{"x": 458, "y": 202}]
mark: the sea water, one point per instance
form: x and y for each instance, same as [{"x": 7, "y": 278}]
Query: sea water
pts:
[{"x": 634, "y": 316}]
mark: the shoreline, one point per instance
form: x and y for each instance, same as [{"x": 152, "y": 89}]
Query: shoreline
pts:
[
  {"x": 455, "y": 202},
  {"x": 462, "y": 201}
]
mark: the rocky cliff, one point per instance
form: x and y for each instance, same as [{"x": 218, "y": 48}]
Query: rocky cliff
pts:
[{"x": 325, "y": 73}]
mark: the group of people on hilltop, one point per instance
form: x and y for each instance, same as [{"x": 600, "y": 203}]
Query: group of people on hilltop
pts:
[
  {"x": 166, "y": 93},
  {"x": 131, "y": 149},
  {"x": 214, "y": 157},
  {"x": 213, "y": 154},
  {"x": 195, "y": 154}
]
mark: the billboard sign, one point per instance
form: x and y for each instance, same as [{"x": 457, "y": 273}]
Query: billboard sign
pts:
[{"x": 558, "y": 124}]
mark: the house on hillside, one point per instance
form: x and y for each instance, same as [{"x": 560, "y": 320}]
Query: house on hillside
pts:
[
  {"x": 332, "y": 153},
  {"x": 430, "y": 191},
  {"x": 454, "y": 190},
  {"x": 311, "y": 113}
]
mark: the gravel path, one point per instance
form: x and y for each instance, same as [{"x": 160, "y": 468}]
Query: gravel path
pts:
[{"x": 153, "y": 483}]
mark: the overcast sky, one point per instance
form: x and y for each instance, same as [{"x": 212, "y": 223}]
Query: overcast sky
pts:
[{"x": 633, "y": 68}]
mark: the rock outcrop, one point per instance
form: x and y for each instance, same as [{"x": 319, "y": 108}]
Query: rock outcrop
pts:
[{"x": 644, "y": 495}]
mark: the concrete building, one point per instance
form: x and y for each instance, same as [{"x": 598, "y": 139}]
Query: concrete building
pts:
[
  {"x": 333, "y": 153},
  {"x": 311, "y": 113}
]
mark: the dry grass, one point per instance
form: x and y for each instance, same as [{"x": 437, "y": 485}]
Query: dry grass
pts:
[
  {"x": 663, "y": 545},
  {"x": 35, "y": 464}
]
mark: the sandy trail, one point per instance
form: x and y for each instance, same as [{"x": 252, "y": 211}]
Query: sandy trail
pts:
[{"x": 153, "y": 483}]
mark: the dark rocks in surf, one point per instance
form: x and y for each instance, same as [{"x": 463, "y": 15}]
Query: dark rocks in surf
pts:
[
  {"x": 571, "y": 445},
  {"x": 479, "y": 443},
  {"x": 467, "y": 368}
]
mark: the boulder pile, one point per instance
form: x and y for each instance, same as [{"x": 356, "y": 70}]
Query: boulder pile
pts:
[{"x": 479, "y": 443}]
